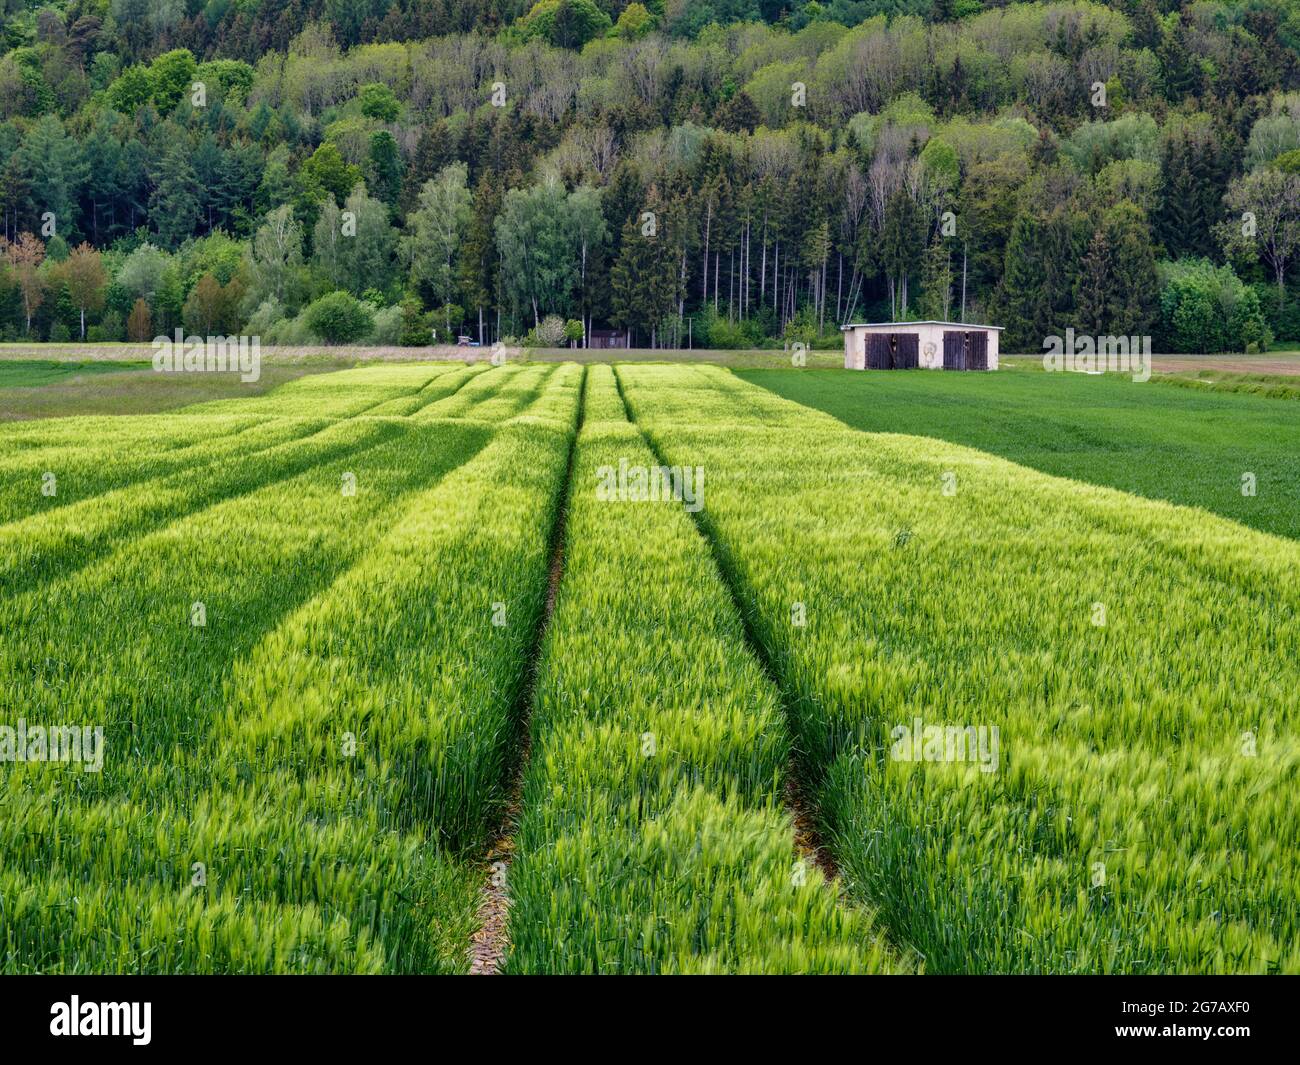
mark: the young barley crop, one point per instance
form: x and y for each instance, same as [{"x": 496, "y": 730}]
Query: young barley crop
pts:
[
  {"x": 289, "y": 774},
  {"x": 1138, "y": 662},
  {"x": 652, "y": 836}
]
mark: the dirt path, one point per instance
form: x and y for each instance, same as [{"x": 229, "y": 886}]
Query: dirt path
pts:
[{"x": 1281, "y": 365}]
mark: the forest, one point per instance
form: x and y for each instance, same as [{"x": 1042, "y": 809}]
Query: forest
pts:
[{"x": 723, "y": 173}]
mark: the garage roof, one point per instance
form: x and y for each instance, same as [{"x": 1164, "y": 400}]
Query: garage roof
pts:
[{"x": 896, "y": 325}]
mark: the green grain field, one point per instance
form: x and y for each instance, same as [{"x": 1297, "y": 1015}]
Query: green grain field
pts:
[{"x": 415, "y": 668}]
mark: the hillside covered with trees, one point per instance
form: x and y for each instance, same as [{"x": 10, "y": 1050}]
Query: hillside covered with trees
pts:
[{"x": 742, "y": 172}]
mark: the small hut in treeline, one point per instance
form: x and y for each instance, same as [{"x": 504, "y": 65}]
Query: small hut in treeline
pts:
[{"x": 920, "y": 345}]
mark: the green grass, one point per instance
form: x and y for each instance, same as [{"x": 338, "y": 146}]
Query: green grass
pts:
[
  {"x": 36, "y": 373},
  {"x": 1272, "y": 386},
  {"x": 1142, "y": 816},
  {"x": 1178, "y": 444},
  {"x": 125, "y": 388}
]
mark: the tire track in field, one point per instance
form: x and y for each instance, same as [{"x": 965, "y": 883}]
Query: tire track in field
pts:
[
  {"x": 799, "y": 800},
  {"x": 488, "y": 946}
]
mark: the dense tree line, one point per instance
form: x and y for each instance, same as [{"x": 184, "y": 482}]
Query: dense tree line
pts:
[{"x": 735, "y": 172}]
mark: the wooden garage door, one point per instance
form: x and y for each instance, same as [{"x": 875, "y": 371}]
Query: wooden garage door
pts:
[
  {"x": 878, "y": 353},
  {"x": 978, "y": 358},
  {"x": 907, "y": 351},
  {"x": 954, "y": 350}
]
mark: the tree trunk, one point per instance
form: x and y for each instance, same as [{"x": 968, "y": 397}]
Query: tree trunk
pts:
[
  {"x": 963, "y": 281},
  {"x": 708, "y": 225}
]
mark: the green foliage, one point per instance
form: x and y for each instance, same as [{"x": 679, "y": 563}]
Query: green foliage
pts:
[
  {"x": 171, "y": 75},
  {"x": 339, "y": 318},
  {"x": 378, "y": 102},
  {"x": 565, "y": 23},
  {"x": 325, "y": 173},
  {"x": 416, "y": 324},
  {"x": 634, "y": 22},
  {"x": 1205, "y": 308}
]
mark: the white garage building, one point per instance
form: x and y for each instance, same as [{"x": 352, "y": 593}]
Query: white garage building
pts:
[{"x": 920, "y": 345}]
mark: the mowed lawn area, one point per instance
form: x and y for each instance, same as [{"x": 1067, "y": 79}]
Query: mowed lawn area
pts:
[{"x": 1179, "y": 444}]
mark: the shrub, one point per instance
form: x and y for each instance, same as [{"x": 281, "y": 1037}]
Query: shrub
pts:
[
  {"x": 548, "y": 333},
  {"x": 1205, "y": 309},
  {"x": 415, "y": 324},
  {"x": 339, "y": 318},
  {"x": 263, "y": 320},
  {"x": 388, "y": 327},
  {"x": 110, "y": 328}
]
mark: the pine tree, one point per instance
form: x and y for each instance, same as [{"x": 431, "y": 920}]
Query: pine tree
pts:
[
  {"x": 935, "y": 303},
  {"x": 1025, "y": 302},
  {"x": 174, "y": 206},
  {"x": 1093, "y": 311},
  {"x": 642, "y": 282},
  {"x": 1135, "y": 287},
  {"x": 384, "y": 168},
  {"x": 478, "y": 254}
]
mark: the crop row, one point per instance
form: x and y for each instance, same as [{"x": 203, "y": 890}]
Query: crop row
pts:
[
  {"x": 652, "y": 837},
  {"x": 65, "y": 461},
  {"x": 42, "y": 477},
  {"x": 1113, "y": 681},
  {"x": 41, "y": 547},
  {"x": 317, "y": 752},
  {"x": 441, "y": 387},
  {"x": 343, "y": 394}
]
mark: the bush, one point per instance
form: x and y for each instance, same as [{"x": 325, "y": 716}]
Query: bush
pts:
[
  {"x": 548, "y": 333},
  {"x": 1206, "y": 309},
  {"x": 290, "y": 332},
  {"x": 60, "y": 333},
  {"x": 263, "y": 320},
  {"x": 415, "y": 325},
  {"x": 714, "y": 331},
  {"x": 110, "y": 328},
  {"x": 388, "y": 327},
  {"x": 339, "y": 318}
]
